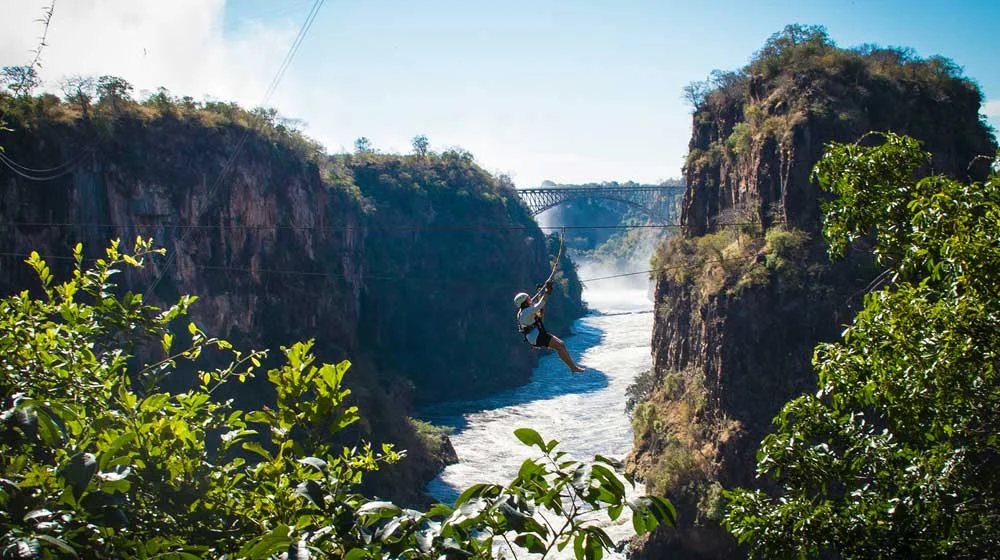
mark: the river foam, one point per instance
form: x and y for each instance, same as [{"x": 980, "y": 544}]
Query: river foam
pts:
[{"x": 585, "y": 412}]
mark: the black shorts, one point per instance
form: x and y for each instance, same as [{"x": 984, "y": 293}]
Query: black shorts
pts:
[{"x": 543, "y": 339}]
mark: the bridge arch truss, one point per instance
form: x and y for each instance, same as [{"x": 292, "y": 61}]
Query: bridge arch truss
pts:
[{"x": 661, "y": 204}]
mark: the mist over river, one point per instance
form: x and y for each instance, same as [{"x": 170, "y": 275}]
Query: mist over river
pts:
[{"x": 585, "y": 412}]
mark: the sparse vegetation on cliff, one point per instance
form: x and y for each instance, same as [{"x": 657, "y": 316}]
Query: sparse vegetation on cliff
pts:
[
  {"x": 800, "y": 90},
  {"x": 746, "y": 293}
]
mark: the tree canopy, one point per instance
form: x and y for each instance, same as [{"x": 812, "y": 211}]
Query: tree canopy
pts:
[
  {"x": 97, "y": 461},
  {"x": 896, "y": 455}
]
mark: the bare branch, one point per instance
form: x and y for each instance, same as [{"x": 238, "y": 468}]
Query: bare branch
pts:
[{"x": 45, "y": 20}]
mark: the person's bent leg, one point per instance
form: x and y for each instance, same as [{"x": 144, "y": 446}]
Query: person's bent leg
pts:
[{"x": 556, "y": 344}]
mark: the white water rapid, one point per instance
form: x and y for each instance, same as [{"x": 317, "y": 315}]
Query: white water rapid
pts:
[{"x": 585, "y": 412}]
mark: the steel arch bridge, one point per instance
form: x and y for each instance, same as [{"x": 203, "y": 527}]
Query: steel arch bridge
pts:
[{"x": 659, "y": 203}]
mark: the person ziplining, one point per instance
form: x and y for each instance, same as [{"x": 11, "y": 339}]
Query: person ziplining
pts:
[{"x": 530, "y": 319}]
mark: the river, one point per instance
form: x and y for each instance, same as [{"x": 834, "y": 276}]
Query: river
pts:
[{"x": 585, "y": 412}]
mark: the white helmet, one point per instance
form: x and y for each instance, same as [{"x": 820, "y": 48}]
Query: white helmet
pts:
[{"x": 520, "y": 298}]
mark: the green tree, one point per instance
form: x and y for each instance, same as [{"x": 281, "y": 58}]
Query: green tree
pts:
[
  {"x": 163, "y": 101},
  {"x": 21, "y": 80},
  {"x": 79, "y": 90},
  {"x": 696, "y": 92},
  {"x": 114, "y": 91},
  {"x": 420, "y": 145},
  {"x": 363, "y": 146},
  {"x": 896, "y": 455},
  {"x": 96, "y": 461}
]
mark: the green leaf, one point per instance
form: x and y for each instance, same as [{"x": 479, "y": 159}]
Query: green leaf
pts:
[
  {"x": 379, "y": 509},
  {"x": 51, "y": 428},
  {"x": 154, "y": 402},
  {"x": 62, "y": 545},
  {"x": 610, "y": 481},
  {"x": 258, "y": 449},
  {"x": 357, "y": 554},
  {"x": 314, "y": 462},
  {"x": 261, "y": 416},
  {"x": 528, "y": 468},
  {"x": 475, "y": 491},
  {"x": 116, "y": 445},
  {"x": 639, "y": 522},
  {"x": 38, "y": 514},
  {"x": 615, "y": 464},
  {"x": 595, "y": 543},
  {"x": 578, "y": 541},
  {"x": 437, "y": 510},
  {"x": 389, "y": 528},
  {"x": 530, "y": 437},
  {"x": 516, "y": 513},
  {"x": 664, "y": 510},
  {"x": 531, "y": 542},
  {"x": 268, "y": 545},
  {"x": 79, "y": 471},
  {"x": 468, "y": 510},
  {"x": 312, "y": 491}
]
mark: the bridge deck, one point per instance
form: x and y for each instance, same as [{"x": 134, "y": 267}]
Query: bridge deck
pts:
[{"x": 654, "y": 201}]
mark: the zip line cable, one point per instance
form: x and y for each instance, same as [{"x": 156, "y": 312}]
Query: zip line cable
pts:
[
  {"x": 386, "y": 277},
  {"x": 29, "y": 173},
  {"x": 292, "y": 50},
  {"x": 455, "y": 228},
  {"x": 266, "y": 15},
  {"x": 68, "y": 163},
  {"x": 555, "y": 263},
  {"x": 54, "y": 172},
  {"x": 12, "y": 165},
  {"x": 61, "y": 169}
]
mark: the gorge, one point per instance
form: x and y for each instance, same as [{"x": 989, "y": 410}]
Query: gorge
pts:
[
  {"x": 398, "y": 263},
  {"x": 405, "y": 266}
]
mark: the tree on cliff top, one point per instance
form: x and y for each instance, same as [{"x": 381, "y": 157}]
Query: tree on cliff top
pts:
[
  {"x": 97, "y": 461},
  {"x": 898, "y": 453}
]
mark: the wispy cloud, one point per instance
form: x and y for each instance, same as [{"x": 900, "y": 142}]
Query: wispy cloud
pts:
[
  {"x": 991, "y": 108},
  {"x": 182, "y": 45}
]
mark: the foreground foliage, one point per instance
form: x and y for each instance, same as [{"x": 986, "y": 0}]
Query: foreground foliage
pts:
[
  {"x": 97, "y": 462},
  {"x": 897, "y": 453}
]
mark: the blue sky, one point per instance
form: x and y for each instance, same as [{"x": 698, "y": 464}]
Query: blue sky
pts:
[
  {"x": 569, "y": 91},
  {"x": 572, "y": 90}
]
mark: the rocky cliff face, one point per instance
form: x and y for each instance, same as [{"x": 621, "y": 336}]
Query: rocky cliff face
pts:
[
  {"x": 464, "y": 251},
  {"x": 747, "y": 291},
  {"x": 273, "y": 254},
  {"x": 289, "y": 245}
]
